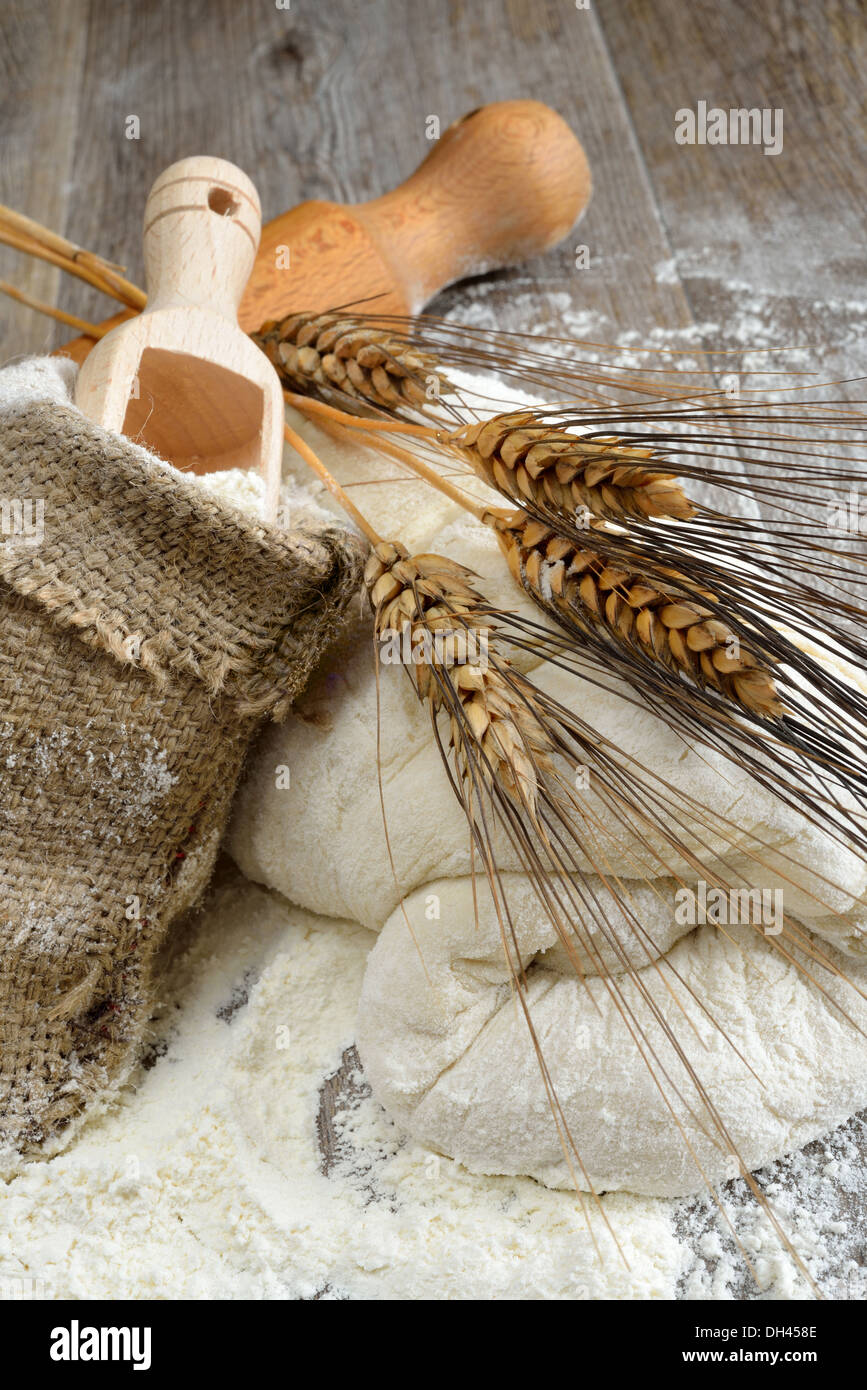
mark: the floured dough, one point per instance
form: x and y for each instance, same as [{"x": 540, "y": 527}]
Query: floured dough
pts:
[
  {"x": 444, "y": 1043},
  {"x": 451, "y": 1059}
]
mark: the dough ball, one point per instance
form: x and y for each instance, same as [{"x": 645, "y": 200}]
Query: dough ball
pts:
[
  {"x": 445, "y": 1044},
  {"x": 449, "y": 1055}
]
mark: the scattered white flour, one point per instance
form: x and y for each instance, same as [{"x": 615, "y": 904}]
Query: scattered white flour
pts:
[
  {"x": 665, "y": 272},
  {"x": 207, "y": 1180},
  {"x": 131, "y": 783},
  {"x": 820, "y": 1199},
  {"x": 298, "y": 504}
]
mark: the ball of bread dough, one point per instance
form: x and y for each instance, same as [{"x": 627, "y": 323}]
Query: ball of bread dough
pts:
[
  {"x": 445, "y": 1045},
  {"x": 449, "y": 1055}
]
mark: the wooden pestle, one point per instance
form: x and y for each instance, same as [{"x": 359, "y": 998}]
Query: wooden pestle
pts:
[{"x": 502, "y": 184}]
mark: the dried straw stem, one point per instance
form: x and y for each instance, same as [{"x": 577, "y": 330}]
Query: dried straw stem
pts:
[
  {"x": 23, "y": 234},
  {"x": 534, "y": 462},
  {"x": 316, "y": 465},
  {"x": 321, "y": 410},
  {"x": 91, "y": 330}
]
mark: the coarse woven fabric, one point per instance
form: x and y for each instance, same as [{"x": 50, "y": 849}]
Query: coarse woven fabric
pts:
[{"x": 143, "y": 639}]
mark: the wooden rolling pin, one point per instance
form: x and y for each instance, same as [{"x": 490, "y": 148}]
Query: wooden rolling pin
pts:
[{"x": 502, "y": 184}]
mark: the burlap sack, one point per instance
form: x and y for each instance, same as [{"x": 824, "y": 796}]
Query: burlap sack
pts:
[{"x": 142, "y": 640}]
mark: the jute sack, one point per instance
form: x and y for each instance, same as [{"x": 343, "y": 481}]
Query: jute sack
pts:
[{"x": 144, "y": 635}]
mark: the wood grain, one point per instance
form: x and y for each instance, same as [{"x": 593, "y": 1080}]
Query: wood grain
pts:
[
  {"x": 503, "y": 183},
  {"x": 298, "y": 98},
  {"x": 41, "y": 72},
  {"x": 767, "y": 246}
]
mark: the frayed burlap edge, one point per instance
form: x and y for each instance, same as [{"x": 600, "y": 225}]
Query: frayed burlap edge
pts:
[{"x": 256, "y": 645}]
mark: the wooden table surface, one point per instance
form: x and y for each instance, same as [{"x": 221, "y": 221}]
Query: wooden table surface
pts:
[
  {"x": 693, "y": 247},
  {"x": 330, "y": 100}
]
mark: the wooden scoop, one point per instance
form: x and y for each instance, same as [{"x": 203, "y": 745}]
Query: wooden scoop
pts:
[
  {"x": 182, "y": 378},
  {"x": 506, "y": 182}
]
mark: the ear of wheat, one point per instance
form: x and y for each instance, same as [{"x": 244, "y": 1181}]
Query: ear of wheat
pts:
[
  {"x": 331, "y": 354},
  {"x": 805, "y": 741},
  {"x": 528, "y": 460},
  {"x": 749, "y": 692},
  {"x": 669, "y": 624},
  {"x": 429, "y": 594}
]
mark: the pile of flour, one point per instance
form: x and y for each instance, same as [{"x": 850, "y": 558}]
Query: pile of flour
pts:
[{"x": 207, "y": 1179}]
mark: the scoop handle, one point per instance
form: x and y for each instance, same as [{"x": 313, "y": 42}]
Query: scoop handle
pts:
[{"x": 202, "y": 226}]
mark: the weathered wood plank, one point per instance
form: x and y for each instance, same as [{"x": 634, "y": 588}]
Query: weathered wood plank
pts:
[
  {"x": 41, "y": 66},
  {"x": 770, "y": 248},
  {"x": 188, "y": 73},
  {"x": 315, "y": 104}
]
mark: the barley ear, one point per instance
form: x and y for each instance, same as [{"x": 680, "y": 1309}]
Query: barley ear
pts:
[
  {"x": 534, "y": 462},
  {"x": 668, "y": 624}
]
